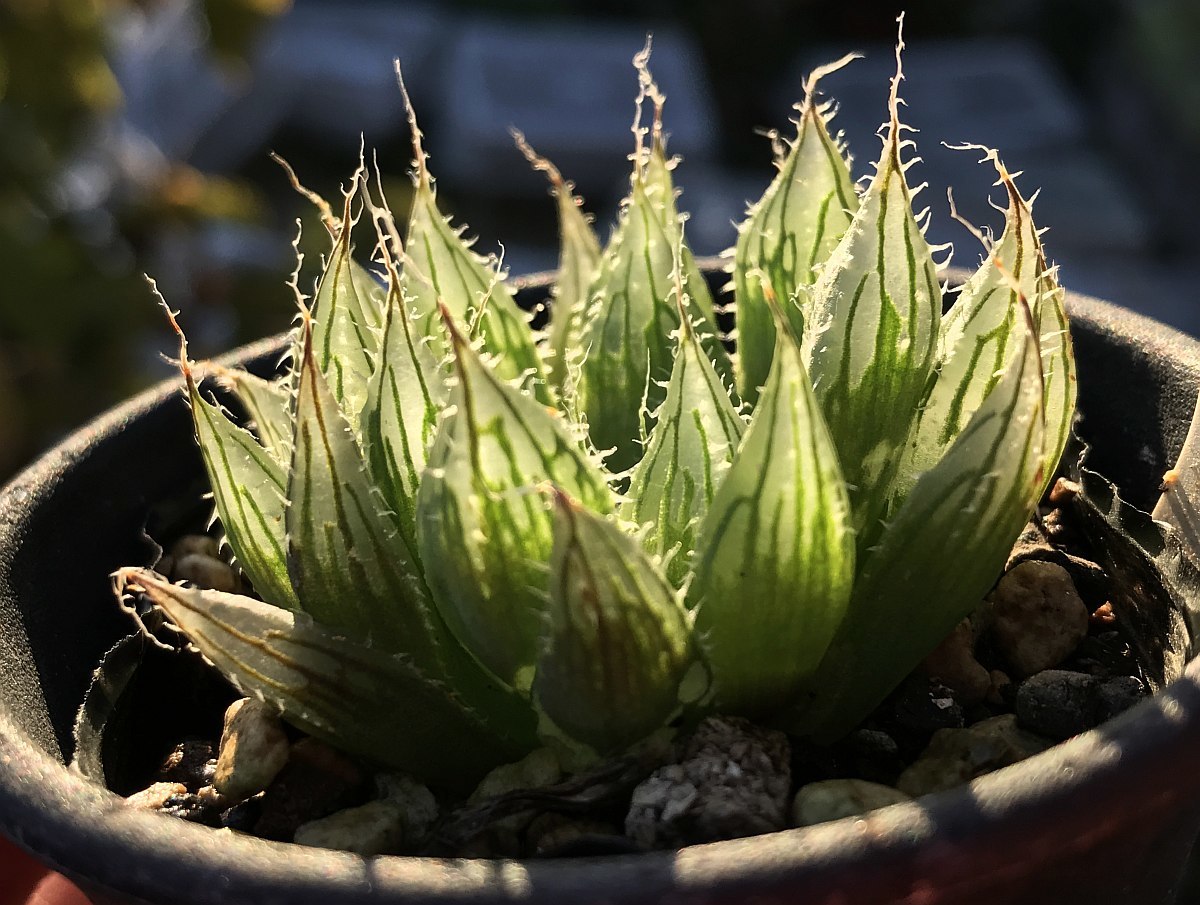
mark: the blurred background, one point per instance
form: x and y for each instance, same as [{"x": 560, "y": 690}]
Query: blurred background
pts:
[{"x": 134, "y": 137}]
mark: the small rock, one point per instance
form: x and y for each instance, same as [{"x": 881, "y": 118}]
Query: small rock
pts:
[
  {"x": 833, "y": 799},
  {"x": 155, "y": 796},
  {"x": 537, "y": 769},
  {"x": 1104, "y": 615},
  {"x": 1057, "y": 703},
  {"x": 1038, "y": 616},
  {"x": 370, "y": 829},
  {"x": 415, "y": 801},
  {"x": 869, "y": 754},
  {"x": 956, "y": 756},
  {"x": 254, "y": 749},
  {"x": 205, "y": 572},
  {"x": 1116, "y": 695},
  {"x": 1063, "y": 492},
  {"x": 732, "y": 780},
  {"x": 953, "y": 663},
  {"x": 191, "y": 763},
  {"x": 316, "y": 781}
]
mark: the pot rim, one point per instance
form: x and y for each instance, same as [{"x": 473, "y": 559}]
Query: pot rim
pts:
[{"x": 1143, "y": 753}]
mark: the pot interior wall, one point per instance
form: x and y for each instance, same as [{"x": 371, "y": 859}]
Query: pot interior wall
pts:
[{"x": 81, "y": 512}]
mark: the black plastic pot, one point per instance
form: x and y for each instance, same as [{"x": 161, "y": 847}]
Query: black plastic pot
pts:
[{"x": 1106, "y": 817}]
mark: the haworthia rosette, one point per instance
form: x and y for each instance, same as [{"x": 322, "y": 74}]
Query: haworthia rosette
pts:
[
  {"x": 872, "y": 335},
  {"x": 775, "y": 559},
  {"x": 617, "y": 642},
  {"x": 484, "y": 533},
  {"x": 787, "y": 235},
  {"x": 363, "y": 700}
]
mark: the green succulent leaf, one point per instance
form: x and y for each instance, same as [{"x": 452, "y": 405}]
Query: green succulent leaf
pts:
[
  {"x": 248, "y": 487},
  {"x": 618, "y": 641},
  {"x": 406, "y": 393},
  {"x": 351, "y": 568},
  {"x": 441, "y": 268},
  {"x": 973, "y": 502},
  {"x": 485, "y": 535},
  {"x": 775, "y": 561},
  {"x": 367, "y": 702},
  {"x": 343, "y": 341},
  {"x": 873, "y": 330},
  {"x": 1058, "y": 369},
  {"x": 790, "y": 232},
  {"x": 981, "y": 334},
  {"x": 690, "y": 450},
  {"x": 268, "y": 403},
  {"x": 578, "y": 258},
  {"x": 627, "y": 336}
]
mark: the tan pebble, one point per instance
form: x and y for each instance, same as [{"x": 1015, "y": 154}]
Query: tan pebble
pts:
[
  {"x": 195, "y": 543},
  {"x": 1104, "y": 615},
  {"x": 156, "y": 795},
  {"x": 370, "y": 829},
  {"x": 205, "y": 572},
  {"x": 537, "y": 769},
  {"x": 1039, "y": 617},
  {"x": 833, "y": 799},
  {"x": 956, "y": 756},
  {"x": 953, "y": 663},
  {"x": 254, "y": 749},
  {"x": 999, "y": 680}
]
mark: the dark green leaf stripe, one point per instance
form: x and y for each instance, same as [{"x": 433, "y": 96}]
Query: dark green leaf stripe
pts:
[
  {"x": 618, "y": 638},
  {"x": 775, "y": 561},
  {"x": 484, "y": 533},
  {"x": 974, "y": 502},
  {"x": 377, "y": 705},
  {"x": 690, "y": 449},
  {"x": 797, "y": 223},
  {"x": 248, "y": 491}
]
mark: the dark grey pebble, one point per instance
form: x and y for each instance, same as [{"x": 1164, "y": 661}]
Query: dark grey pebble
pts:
[{"x": 1057, "y": 703}]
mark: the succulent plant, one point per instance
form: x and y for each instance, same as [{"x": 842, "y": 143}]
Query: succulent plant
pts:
[{"x": 467, "y": 539}]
